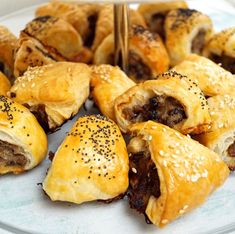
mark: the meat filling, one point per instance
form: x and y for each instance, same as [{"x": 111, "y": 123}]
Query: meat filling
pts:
[
  {"x": 226, "y": 62},
  {"x": 157, "y": 24},
  {"x": 11, "y": 155},
  {"x": 198, "y": 42},
  {"x": 231, "y": 150},
  {"x": 162, "y": 109},
  {"x": 144, "y": 181},
  {"x": 137, "y": 68}
]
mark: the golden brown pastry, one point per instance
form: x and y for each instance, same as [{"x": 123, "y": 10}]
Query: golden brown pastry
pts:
[
  {"x": 23, "y": 143},
  {"x": 107, "y": 83},
  {"x": 147, "y": 54},
  {"x": 221, "y": 136},
  {"x": 170, "y": 174},
  {"x": 220, "y": 49},
  {"x": 155, "y": 14},
  {"x": 172, "y": 99},
  {"x": 54, "y": 92},
  {"x": 5, "y": 84},
  {"x": 211, "y": 78},
  {"x": 187, "y": 31},
  {"x": 91, "y": 164},
  {"x": 7, "y": 46}
]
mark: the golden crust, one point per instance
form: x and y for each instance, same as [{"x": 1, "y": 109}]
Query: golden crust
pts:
[
  {"x": 136, "y": 18},
  {"x": 61, "y": 87},
  {"x": 211, "y": 78},
  {"x": 56, "y": 35},
  {"x": 222, "y": 132},
  {"x": 19, "y": 127},
  {"x": 5, "y": 84},
  {"x": 182, "y": 26},
  {"x": 170, "y": 84},
  {"x": 188, "y": 171},
  {"x": 107, "y": 83},
  {"x": 7, "y": 45},
  {"x": 91, "y": 167}
]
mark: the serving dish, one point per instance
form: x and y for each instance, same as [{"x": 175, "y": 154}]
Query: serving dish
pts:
[{"x": 25, "y": 209}]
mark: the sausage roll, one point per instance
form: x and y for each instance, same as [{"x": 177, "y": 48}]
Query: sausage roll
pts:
[
  {"x": 172, "y": 99},
  {"x": 220, "y": 49},
  {"x": 107, "y": 83},
  {"x": 7, "y": 45},
  {"x": 221, "y": 137},
  {"x": 54, "y": 92},
  {"x": 155, "y": 14},
  {"x": 147, "y": 54},
  {"x": 5, "y": 84},
  {"x": 170, "y": 174},
  {"x": 211, "y": 78},
  {"x": 91, "y": 164},
  {"x": 23, "y": 143},
  {"x": 187, "y": 31}
]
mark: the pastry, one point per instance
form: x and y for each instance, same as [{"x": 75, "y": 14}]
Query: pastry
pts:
[
  {"x": 172, "y": 100},
  {"x": 221, "y": 136},
  {"x": 7, "y": 46},
  {"x": 187, "y": 31},
  {"x": 4, "y": 84},
  {"x": 220, "y": 49},
  {"x": 23, "y": 143},
  {"x": 147, "y": 54},
  {"x": 91, "y": 163},
  {"x": 107, "y": 83},
  {"x": 54, "y": 92},
  {"x": 211, "y": 78},
  {"x": 155, "y": 14},
  {"x": 170, "y": 174}
]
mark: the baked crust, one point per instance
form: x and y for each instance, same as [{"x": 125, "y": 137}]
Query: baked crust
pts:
[
  {"x": 5, "y": 84},
  {"x": 91, "y": 164}
]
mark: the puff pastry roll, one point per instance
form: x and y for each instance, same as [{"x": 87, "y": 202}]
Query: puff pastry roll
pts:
[
  {"x": 23, "y": 143},
  {"x": 172, "y": 99},
  {"x": 211, "y": 78},
  {"x": 170, "y": 174},
  {"x": 147, "y": 54},
  {"x": 107, "y": 83},
  {"x": 91, "y": 164},
  {"x": 220, "y": 49},
  {"x": 4, "y": 84},
  {"x": 187, "y": 31},
  {"x": 7, "y": 45},
  {"x": 54, "y": 92},
  {"x": 221, "y": 136},
  {"x": 155, "y": 14}
]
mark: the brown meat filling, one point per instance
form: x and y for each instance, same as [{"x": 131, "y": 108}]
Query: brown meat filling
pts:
[
  {"x": 162, "y": 109},
  {"x": 157, "y": 24},
  {"x": 144, "y": 181},
  {"x": 198, "y": 42},
  {"x": 11, "y": 155},
  {"x": 137, "y": 68},
  {"x": 231, "y": 150},
  {"x": 227, "y": 62}
]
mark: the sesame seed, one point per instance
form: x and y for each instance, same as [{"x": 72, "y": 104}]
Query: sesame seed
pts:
[
  {"x": 134, "y": 170},
  {"x": 161, "y": 152}
]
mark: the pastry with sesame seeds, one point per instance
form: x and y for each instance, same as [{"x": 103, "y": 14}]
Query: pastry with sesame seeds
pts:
[
  {"x": 155, "y": 14},
  {"x": 8, "y": 43},
  {"x": 54, "y": 92},
  {"x": 107, "y": 83},
  {"x": 221, "y": 136},
  {"x": 5, "y": 84},
  {"x": 187, "y": 31},
  {"x": 23, "y": 143},
  {"x": 172, "y": 99},
  {"x": 91, "y": 163},
  {"x": 147, "y": 54},
  {"x": 169, "y": 180},
  {"x": 211, "y": 78},
  {"x": 221, "y": 49}
]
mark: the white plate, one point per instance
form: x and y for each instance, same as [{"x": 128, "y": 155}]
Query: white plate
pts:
[{"x": 25, "y": 209}]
